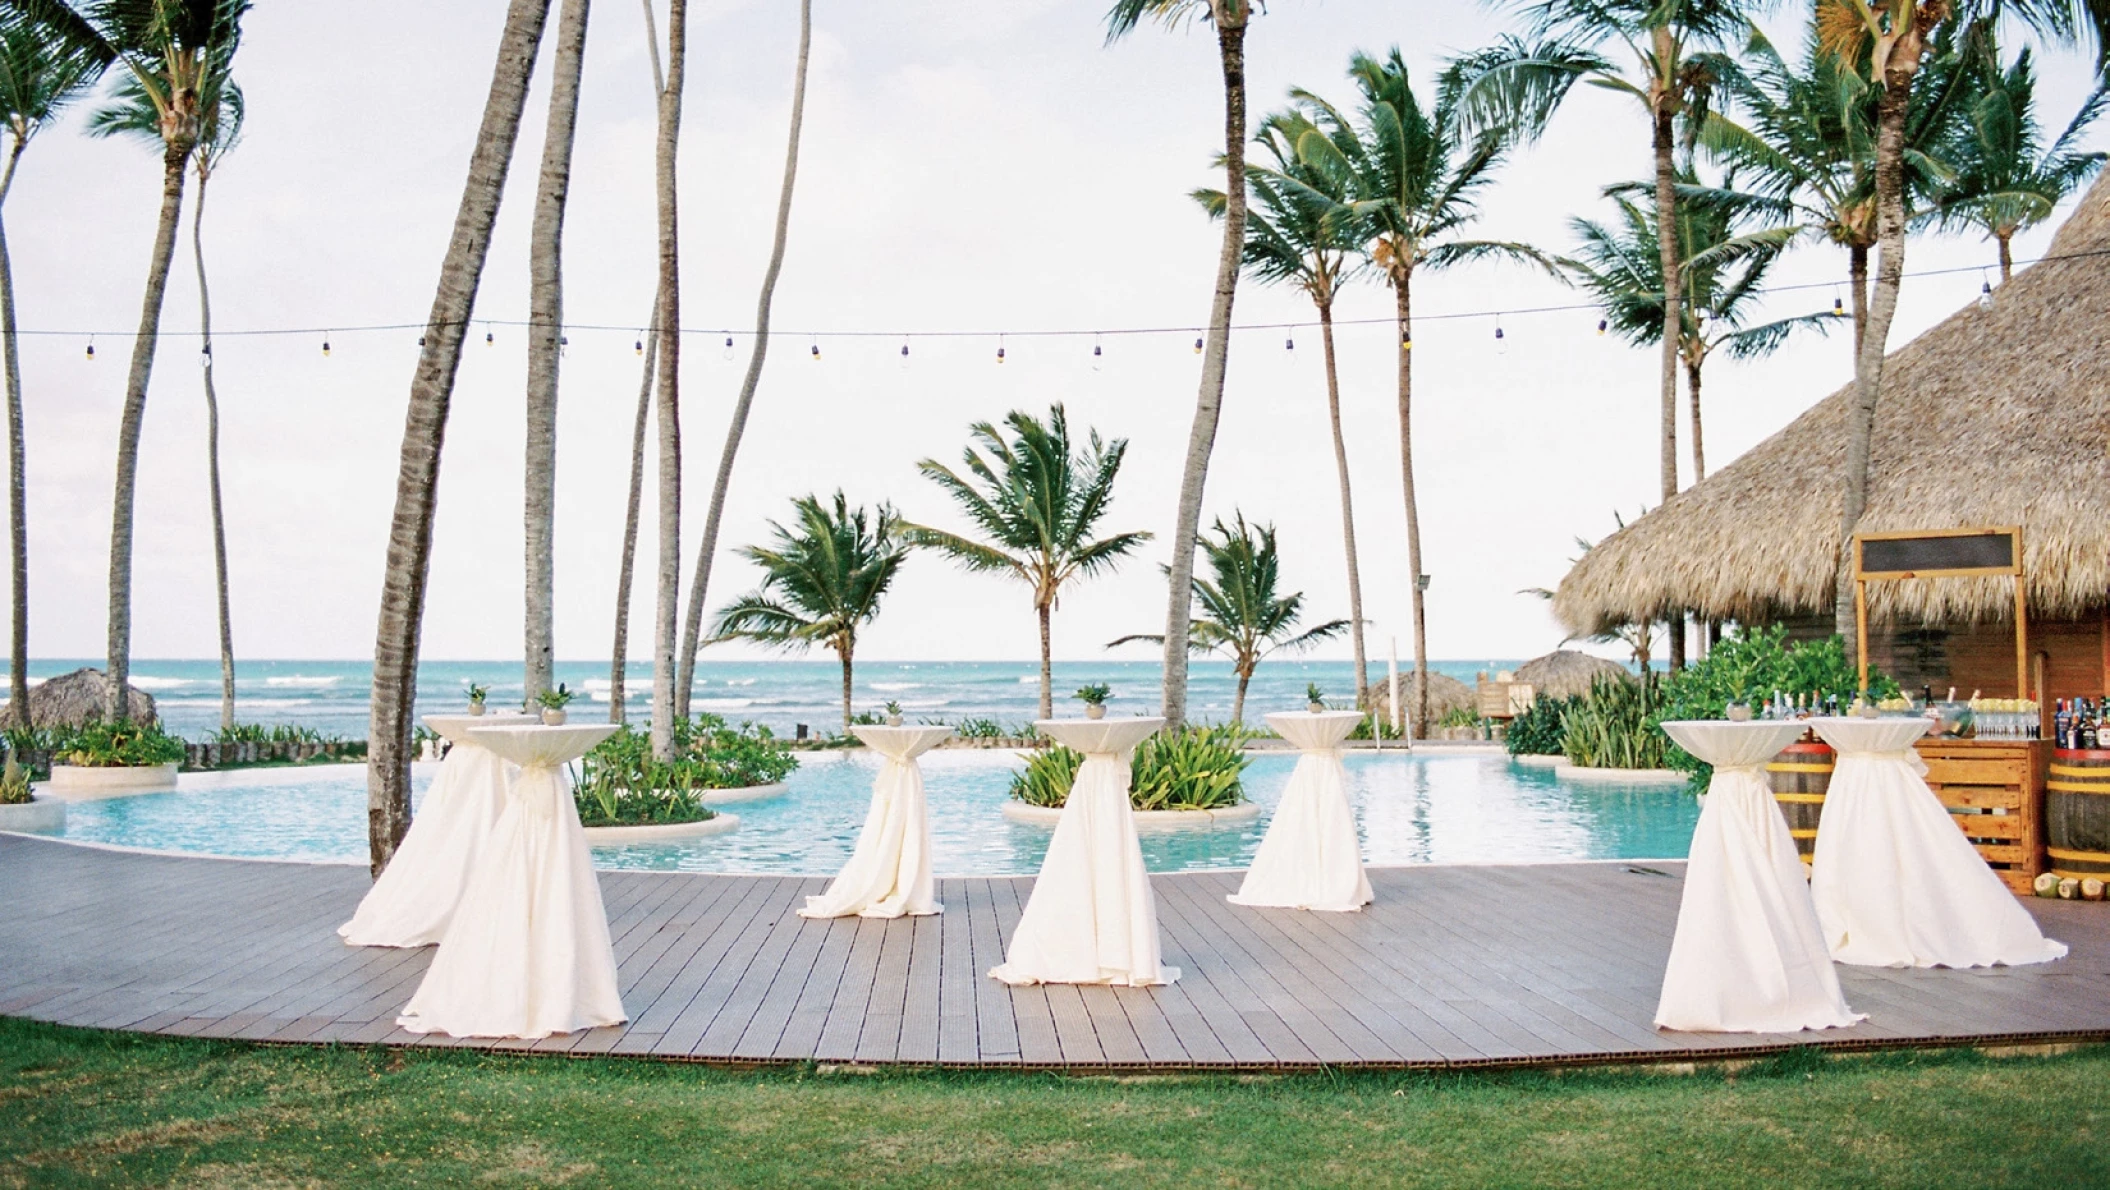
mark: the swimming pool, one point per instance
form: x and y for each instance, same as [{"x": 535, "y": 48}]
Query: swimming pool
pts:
[{"x": 1428, "y": 808}]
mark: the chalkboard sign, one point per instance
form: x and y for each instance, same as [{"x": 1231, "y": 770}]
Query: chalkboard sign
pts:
[{"x": 1956, "y": 552}]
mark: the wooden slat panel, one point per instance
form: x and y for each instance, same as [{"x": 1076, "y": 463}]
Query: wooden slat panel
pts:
[{"x": 1976, "y": 772}]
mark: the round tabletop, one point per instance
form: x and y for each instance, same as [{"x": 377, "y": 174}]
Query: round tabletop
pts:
[
  {"x": 1726, "y": 744},
  {"x": 1320, "y": 732},
  {"x": 901, "y": 743},
  {"x": 532, "y": 745},
  {"x": 455, "y": 728},
  {"x": 1889, "y": 734},
  {"x": 1101, "y": 737}
]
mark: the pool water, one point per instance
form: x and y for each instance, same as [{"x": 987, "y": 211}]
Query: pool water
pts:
[{"x": 1410, "y": 810}]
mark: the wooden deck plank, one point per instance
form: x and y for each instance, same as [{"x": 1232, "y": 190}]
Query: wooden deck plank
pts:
[{"x": 1557, "y": 962}]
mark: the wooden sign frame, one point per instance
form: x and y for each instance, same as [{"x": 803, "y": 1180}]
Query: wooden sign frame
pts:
[{"x": 2013, "y": 568}]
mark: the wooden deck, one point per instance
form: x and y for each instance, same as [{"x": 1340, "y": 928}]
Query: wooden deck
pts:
[{"x": 1452, "y": 966}]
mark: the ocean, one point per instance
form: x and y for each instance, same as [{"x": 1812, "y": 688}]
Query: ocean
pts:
[{"x": 331, "y": 696}]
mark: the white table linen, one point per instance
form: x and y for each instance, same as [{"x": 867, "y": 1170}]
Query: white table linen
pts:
[
  {"x": 1091, "y": 917},
  {"x": 889, "y": 872},
  {"x": 414, "y": 898},
  {"x": 1896, "y": 883},
  {"x": 1310, "y": 857},
  {"x": 528, "y": 953},
  {"x": 1748, "y": 955}
]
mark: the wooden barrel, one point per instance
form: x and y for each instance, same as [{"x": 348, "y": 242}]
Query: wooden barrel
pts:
[
  {"x": 2077, "y": 813},
  {"x": 1800, "y": 775}
]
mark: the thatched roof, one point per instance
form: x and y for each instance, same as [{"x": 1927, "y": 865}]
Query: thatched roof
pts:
[
  {"x": 1566, "y": 673},
  {"x": 71, "y": 700},
  {"x": 1994, "y": 417},
  {"x": 1445, "y": 692}
]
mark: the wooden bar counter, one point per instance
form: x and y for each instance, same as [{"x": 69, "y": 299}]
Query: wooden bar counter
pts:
[{"x": 1995, "y": 791}]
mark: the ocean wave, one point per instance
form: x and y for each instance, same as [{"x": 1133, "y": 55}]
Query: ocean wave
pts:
[
  {"x": 303, "y": 681},
  {"x": 150, "y": 682},
  {"x": 740, "y": 681},
  {"x": 891, "y": 687},
  {"x": 1030, "y": 680},
  {"x": 722, "y": 704}
]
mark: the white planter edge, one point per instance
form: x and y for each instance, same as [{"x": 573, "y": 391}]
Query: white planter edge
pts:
[
  {"x": 1020, "y": 812},
  {"x": 75, "y": 782},
  {"x": 40, "y": 815},
  {"x": 597, "y": 836}
]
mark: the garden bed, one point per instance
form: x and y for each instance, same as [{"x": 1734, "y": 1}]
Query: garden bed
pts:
[{"x": 1048, "y": 816}]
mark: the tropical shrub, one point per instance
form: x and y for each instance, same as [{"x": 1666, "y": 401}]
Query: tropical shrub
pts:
[
  {"x": 1752, "y": 665},
  {"x": 14, "y": 783},
  {"x": 115, "y": 745},
  {"x": 990, "y": 729},
  {"x": 620, "y": 782},
  {"x": 1460, "y": 716},
  {"x": 1614, "y": 725},
  {"x": 1537, "y": 732},
  {"x": 1200, "y": 768}
]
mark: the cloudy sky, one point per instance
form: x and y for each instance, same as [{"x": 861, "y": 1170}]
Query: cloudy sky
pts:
[{"x": 982, "y": 168}]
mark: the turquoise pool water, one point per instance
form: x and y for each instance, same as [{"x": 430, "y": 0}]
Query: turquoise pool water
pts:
[{"x": 1423, "y": 809}]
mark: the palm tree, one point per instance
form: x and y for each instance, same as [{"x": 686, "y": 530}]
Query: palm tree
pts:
[
  {"x": 1726, "y": 263},
  {"x": 131, "y": 113},
  {"x": 424, "y": 430},
  {"x": 1897, "y": 37},
  {"x": 39, "y": 75},
  {"x": 1229, "y": 18},
  {"x": 685, "y": 679},
  {"x": 1413, "y": 173},
  {"x": 2007, "y": 181},
  {"x": 1242, "y": 616},
  {"x": 1521, "y": 82},
  {"x": 544, "y": 339},
  {"x": 667, "y": 600},
  {"x": 172, "y": 48},
  {"x": 1303, "y": 235},
  {"x": 648, "y": 345},
  {"x": 822, "y": 580},
  {"x": 1036, "y": 499},
  {"x": 1803, "y": 136}
]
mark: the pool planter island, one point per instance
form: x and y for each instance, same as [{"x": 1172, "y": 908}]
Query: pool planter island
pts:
[
  {"x": 652, "y": 832},
  {"x": 743, "y": 793},
  {"x": 42, "y": 813},
  {"x": 1577, "y": 772},
  {"x": 1048, "y": 816},
  {"x": 78, "y": 782}
]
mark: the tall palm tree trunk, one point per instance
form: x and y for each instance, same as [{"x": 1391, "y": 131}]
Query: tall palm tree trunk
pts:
[
  {"x": 1692, "y": 393},
  {"x": 17, "y": 481},
  {"x": 2007, "y": 255},
  {"x": 1891, "y": 111},
  {"x": 1403, "y": 295},
  {"x": 619, "y": 661},
  {"x": 844, "y": 653},
  {"x": 666, "y": 604},
  {"x": 118, "y": 673},
  {"x": 212, "y": 455},
  {"x": 545, "y": 341},
  {"x": 1673, "y": 320},
  {"x": 1245, "y": 678},
  {"x": 698, "y": 586},
  {"x": 1230, "y": 19},
  {"x": 402, "y": 613},
  {"x": 1857, "y": 279},
  {"x": 1047, "y": 663},
  {"x": 1340, "y": 465}
]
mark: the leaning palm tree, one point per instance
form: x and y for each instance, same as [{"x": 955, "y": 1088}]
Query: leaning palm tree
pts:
[
  {"x": 822, "y": 580},
  {"x": 666, "y": 611},
  {"x": 39, "y": 74},
  {"x": 1726, "y": 264},
  {"x": 1898, "y": 37},
  {"x": 2007, "y": 179},
  {"x": 685, "y": 676},
  {"x": 1229, "y": 18},
  {"x": 131, "y": 113},
  {"x": 1242, "y": 615},
  {"x": 1036, "y": 500},
  {"x": 545, "y": 337},
  {"x": 1413, "y": 173},
  {"x": 424, "y": 430},
  {"x": 171, "y": 48},
  {"x": 1303, "y": 235}
]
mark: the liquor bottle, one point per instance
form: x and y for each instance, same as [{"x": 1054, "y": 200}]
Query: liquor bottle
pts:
[
  {"x": 2060, "y": 721},
  {"x": 2088, "y": 733}
]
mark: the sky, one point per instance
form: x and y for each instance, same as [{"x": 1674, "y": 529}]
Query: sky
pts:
[{"x": 965, "y": 173}]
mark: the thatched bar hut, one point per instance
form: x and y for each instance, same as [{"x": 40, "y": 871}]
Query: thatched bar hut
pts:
[{"x": 1997, "y": 416}]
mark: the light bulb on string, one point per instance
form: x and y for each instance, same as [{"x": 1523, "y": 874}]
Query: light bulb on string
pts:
[
  {"x": 490, "y": 336},
  {"x": 563, "y": 342},
  {"x": 91, "y": 349},
  {"x": 816, "y": 351},
  {"x": 1406, "y": 338},
  {"x": 326, "y": 345},
  {"x": 639, "y": 346},
  {"x": 999, "y": 349},
  {"x": 205, "y": 355},
  {"x": 1838, "y": 305},
  {"x": 421, "y": 342},
  {"x": 1985, "y": 292},
  {"x": 1603, "y": 325},
  {"x": 904, "y": 355},
  {"x": 1098, "y": 354},
  {"x": 1197, "y": 345},
  {"x": 1501, "y": 341},
  {"x": 728, "y": 352},
  {"x": 1290, "y": 343}
]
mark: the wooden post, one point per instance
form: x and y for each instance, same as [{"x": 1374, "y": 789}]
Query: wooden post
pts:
[
  {"x": 1861, "y": 627},
  {"x": 2021, "y": 639}
]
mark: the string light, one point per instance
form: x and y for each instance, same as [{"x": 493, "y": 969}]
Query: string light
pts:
[
  {"x": 1406, "y": 338},
  {"x": 1098, "y": 353},
  {"x": 1985, "y": 292},
  {"x": 1838, "y": 305},
  {"x": 563, "y": 342},
  {"x": 639, "y": 346},
  {"x": 421, "y": 342},
  {"x": 325, "y": 346},
  {"x": 205, "y": 356},
  {"x": 904, "y": 354},
  {"x": 490, "y": 337},
  {"x": 1289, "y": 344},
  {"x": 1197, "y": 345},
  {"x": 1501, "y": 347},
  {"x": 816, "y": 351},
  {"x": 91, "y": 349},
  {"x": 728, "y": 352},
  {"x": 1602, "y": 326},
  {"x": 999, "y": 349}
]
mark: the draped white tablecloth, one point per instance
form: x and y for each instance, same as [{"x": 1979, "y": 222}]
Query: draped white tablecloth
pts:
[
  {"x": 1896, "y": 883},
  {"x": 1091, "y": 917},
  {"x": 1748, "y": 955},
  {"x": 528, "y": 952},
  {"x": 1310, "y": 858},
  {"x": 412, "y": 902},
  {"x": 889, "y": 873}
]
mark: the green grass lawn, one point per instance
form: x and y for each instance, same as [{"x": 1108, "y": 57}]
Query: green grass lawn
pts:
[{"x": 81, "y": 1107}]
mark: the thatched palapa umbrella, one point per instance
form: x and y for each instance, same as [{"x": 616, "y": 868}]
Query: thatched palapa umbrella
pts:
[
  {"x": 76, "y": 699},
  {"x": 1566, "y": 673}
]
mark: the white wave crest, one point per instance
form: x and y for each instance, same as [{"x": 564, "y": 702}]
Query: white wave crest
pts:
[{"x": 303, "y": 681}]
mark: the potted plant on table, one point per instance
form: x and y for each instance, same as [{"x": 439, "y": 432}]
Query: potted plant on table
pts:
[
  {"x": 553, "y": 703},
  {"x": 1094, "y": 699},
  {"x": 893, "y": 714},
  {"x": 1315, "y": 698},
  {"x": 477, "y": 693}
]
